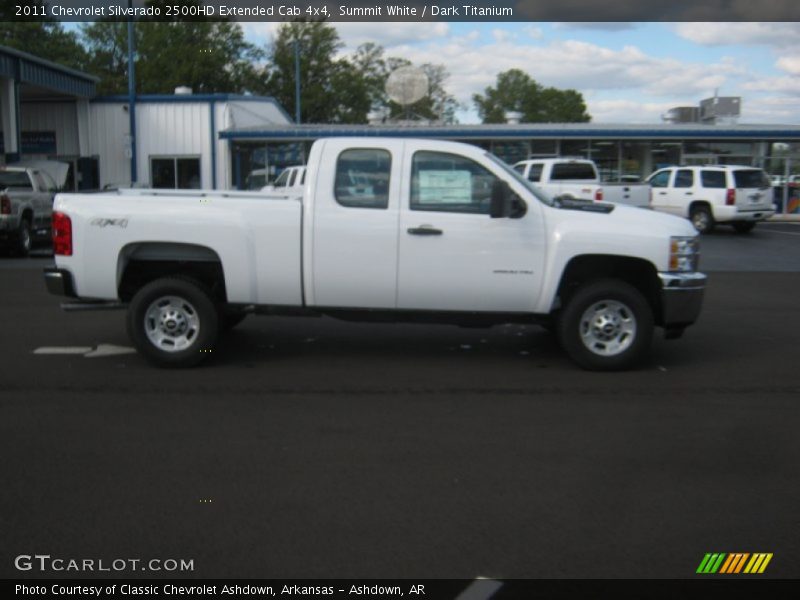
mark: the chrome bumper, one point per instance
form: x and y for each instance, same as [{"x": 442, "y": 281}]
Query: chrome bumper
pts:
[{"x": 681, "y": 298}]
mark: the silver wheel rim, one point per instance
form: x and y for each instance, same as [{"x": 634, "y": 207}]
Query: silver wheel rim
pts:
[
  {"x": 608, "y": 328},
  {"x": 700, "y": 221},
  {"x": 171, "y": 324},
  {"x": 25, "y": 235}
]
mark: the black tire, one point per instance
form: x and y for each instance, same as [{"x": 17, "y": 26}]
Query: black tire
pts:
[
  {"x": 173, "y": 322},
  {"x": 622, "y": 331},
  {"x": 702, "y": 219},
  {"x": 744, "y": 226},
  {"x": 24, "y": 240}
]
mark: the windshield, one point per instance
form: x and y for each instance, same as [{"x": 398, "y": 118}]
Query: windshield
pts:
[{"x": 537, "y": 193}]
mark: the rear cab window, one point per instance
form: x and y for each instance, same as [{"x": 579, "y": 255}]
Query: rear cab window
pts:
[
  {"x": 573, "y": 172},
  {"x": 362, "y": 178}
]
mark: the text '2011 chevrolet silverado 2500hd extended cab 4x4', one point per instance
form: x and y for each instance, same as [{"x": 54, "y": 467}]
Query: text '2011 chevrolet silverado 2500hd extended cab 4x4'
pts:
[{"x": 387, "y": 229}]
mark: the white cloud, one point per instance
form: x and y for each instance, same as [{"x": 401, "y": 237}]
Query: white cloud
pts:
[{"x": 720, "y": 34}]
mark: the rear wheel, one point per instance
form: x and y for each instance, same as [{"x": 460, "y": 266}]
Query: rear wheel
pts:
[
  {"x": 173, "y": 322},
  {"x": 24, "y": 238},
  {"x": 744, "y": 226},
  {"x": 702, "y": 219},
  {"x": 606, "y": 326}
]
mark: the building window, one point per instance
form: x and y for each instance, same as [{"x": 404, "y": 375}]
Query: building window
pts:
[{"x": 175, "y": 173}]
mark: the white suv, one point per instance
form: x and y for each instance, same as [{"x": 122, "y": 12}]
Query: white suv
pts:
[{"x": 737, "y": 195}]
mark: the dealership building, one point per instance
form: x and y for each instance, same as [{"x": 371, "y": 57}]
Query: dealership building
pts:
[{"x": 214, "y": 141}]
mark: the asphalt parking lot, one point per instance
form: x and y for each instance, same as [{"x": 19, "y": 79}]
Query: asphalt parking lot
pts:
[{"x": 311, "y": 448}]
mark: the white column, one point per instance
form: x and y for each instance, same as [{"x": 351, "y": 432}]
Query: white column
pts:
[{"x": 82, "y": 109}]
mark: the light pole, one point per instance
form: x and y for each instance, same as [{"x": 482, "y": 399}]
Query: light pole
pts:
[
  {"x": 132, "y": 94},
  {"x": 297, "y": 81}
]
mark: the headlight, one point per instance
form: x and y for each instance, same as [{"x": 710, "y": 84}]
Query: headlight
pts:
[{"x": 684, "y": 254}]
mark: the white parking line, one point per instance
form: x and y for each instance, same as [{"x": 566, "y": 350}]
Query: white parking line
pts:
[
  {"x": 783, "y": 232},
  {"x": 87, "y": 351},
  {"x": 63, "y": 350}
]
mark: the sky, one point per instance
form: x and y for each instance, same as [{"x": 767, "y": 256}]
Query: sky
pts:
[{"x": 627, "y": 72}]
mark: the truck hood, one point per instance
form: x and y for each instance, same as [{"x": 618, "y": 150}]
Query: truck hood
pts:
[{"x": 625, "y": 231}]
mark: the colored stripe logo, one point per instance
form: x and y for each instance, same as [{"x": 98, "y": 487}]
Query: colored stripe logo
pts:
[{"x": 734, "y": 563}]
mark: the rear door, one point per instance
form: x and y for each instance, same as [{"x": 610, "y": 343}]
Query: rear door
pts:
[
  {"x": 354, "y": 225},
  {"x": 681, "y": 192},
  {"x": 453, "y": 255},
  {"x": 659, "y": 189},
  {"x": 753, "y": 189}
]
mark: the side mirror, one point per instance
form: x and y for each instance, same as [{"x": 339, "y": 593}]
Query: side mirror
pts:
[{"x": 504, "y": 202}]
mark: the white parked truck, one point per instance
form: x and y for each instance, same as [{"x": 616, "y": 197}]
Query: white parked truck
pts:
[
  {"x": 26, "y": 201},
  {"x": 578, "y": 178},
  {"x": 387, "y": 229}
]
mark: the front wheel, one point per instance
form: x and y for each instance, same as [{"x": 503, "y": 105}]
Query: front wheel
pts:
[
  {"x": 606, "y": 326},
  {"x": 173, "y": 322}
]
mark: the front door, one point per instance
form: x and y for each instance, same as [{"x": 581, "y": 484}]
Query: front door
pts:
[{"x": 453, "y": 255}]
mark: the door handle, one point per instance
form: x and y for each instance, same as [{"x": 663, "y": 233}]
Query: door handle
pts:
[
  {"x": 424, "y": 230},
  {"x": 662, "y": 193},
  {"x": 690, "y": 193}
]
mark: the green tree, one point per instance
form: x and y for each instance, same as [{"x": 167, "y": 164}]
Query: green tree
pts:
[
  {"x": 516, "y": 91},
  {"x": 208, "y": 56},
  {"x": 332, "y": 89},
  {"x": 44, "y": 37},
  {"x": 438, "y": 104}
]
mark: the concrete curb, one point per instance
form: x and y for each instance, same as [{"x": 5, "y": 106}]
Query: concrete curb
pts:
[{"x": 790, "y": 218}]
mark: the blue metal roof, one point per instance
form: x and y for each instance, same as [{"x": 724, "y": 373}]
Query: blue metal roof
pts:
[
  {"x": 26, "y": 68},
  {"x": 526, "y": 131}
]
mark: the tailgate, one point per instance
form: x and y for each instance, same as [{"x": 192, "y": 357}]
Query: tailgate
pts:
[{"x": 753, "y": 190}]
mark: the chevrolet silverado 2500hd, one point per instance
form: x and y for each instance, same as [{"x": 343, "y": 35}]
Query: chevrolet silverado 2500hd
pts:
[{"x": 387, "y": 229}]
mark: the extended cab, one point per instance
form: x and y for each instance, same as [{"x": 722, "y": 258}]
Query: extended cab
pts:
[
  {"x": 26, "y": 203},
  {"x": 578, "y": 178},
  {"x": 387, "y": 229},
  {"x": 736, "y": 195}
]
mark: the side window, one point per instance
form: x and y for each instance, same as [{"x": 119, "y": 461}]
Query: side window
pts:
[
  {"x": 302, "y": 176},
  {"x": 450, "y": 183},
  {"x": 660, "y": 179},
  {"x": 292, "y": 176},
  {"x": 535, "y": 174},
  {"x": 713, "y": 179},
  {"x": 362, "y": 178},
  {"x": 684, "y": 178}
]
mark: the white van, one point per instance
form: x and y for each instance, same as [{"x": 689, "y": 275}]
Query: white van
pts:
[{"x": 736, "y": 195}]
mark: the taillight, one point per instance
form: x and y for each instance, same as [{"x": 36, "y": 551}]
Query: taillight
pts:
[
  {"x": 5, "y": 205},
  {"x": 598, "y": 195},
  {"x": 62, "y": 234},
  {"x": 730, "y": 197}
]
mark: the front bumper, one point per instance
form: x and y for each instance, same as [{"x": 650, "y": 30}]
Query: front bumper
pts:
[
  {"x": 681, "y": 298},
  {"x": 59, "y": 282}
]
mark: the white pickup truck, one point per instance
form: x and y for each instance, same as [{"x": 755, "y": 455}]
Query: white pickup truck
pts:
[
  {"x": 430, "y": 231},
  {"x": 578, "y": 178}
]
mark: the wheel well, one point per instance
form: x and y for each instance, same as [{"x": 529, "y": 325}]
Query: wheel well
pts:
[
  {"x": 637, "y": 272},
  {"x": 27, "y": 213},
  {"x": 699, "y": 203},
  {"x": 141, "y": 263}
]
